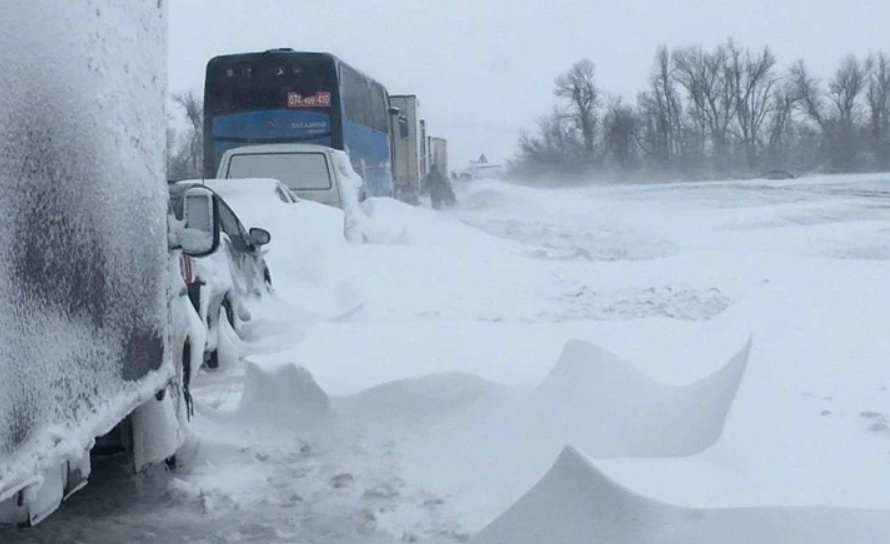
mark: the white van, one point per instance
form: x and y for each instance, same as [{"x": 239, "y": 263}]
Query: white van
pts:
[{"x": 310, "y": 171}]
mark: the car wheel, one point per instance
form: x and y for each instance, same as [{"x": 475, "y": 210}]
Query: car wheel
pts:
[{"x": 212, "y": 361}]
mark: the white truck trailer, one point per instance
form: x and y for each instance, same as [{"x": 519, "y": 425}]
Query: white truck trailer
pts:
[
  {"x": 410, "y": 164},
  {"x": 92, "y": 354},
  {"x": 438, "y": 155}
]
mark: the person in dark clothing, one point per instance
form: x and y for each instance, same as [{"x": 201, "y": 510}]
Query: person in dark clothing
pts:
[{"x": 441, "y": 192}]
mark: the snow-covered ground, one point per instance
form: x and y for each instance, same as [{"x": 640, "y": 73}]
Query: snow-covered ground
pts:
[{"x": 688, "y": 363}]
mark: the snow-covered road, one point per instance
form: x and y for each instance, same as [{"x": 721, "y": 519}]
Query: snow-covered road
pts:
[{"x": 716, "y": 355}]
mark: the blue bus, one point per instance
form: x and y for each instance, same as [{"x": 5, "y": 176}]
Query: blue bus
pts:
[{"x": 285, "y": 96}]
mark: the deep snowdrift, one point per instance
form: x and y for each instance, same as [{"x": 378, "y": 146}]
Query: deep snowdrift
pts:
[
  {"x": 499, "y": 445},
  {"x": 726, "y": 371},
  {"x": 285, "y": 395},
  {"x": 603, "y": 404},
  {"x": 574, "y": 503}
]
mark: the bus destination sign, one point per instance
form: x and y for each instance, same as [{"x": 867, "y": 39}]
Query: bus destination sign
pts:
[{"x": 321, "y": 99}]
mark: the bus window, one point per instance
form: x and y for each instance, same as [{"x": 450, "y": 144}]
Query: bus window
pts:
[
  {"x": 378, "y": 108},
  {"x": 265, "y": 84},
  {"x": 355, "y": 93}
]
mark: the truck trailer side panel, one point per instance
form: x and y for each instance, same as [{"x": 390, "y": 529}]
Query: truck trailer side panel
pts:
[
  {"x": 439, "y": 154},
  {"x": 408, "y": 151},
  {"x": 84, "y": 319}
]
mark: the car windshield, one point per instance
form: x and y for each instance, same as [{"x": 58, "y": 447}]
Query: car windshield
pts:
[{"x": 298, "y": 171}]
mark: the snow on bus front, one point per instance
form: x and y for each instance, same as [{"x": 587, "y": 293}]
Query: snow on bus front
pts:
[{"x": 83, "y": 319}]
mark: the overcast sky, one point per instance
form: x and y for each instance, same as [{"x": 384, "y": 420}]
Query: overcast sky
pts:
[{"x": 484, "y": 69}]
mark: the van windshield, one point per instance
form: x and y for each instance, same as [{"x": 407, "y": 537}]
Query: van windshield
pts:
[{"x": 299, "y": 171}]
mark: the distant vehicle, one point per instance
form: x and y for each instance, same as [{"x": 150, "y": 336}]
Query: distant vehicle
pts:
[
  {"x": 409, "y": 149},
  {"x": 283, "y": 96},
  {"x": 779, "y": 174},
  {"x": 438, "y": 154},
  {"x": 479, "y": 168},
  {"x": 220, "y": 284},
  {"x": 310, "y": 171}
]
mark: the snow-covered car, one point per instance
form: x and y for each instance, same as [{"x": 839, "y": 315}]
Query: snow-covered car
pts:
[
  {"x": 258, "y": 189},
  {"x": 314, "y": 172},
  {"x": 222, "y": 285}
]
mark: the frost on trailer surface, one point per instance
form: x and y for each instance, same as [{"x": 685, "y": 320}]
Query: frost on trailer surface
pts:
[{"x": 82, "y": 275}]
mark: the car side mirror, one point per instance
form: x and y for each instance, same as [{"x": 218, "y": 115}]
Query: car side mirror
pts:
[
  {"x": 200, "y": 234},
  {"x": 259, "y": 237}
]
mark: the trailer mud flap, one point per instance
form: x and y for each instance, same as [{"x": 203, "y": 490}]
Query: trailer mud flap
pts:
[
  {"x": 156, "y": 432},
  {"x": 35, "y": 502}
]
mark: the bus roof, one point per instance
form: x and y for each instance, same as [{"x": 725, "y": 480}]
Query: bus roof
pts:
[
  {"x": 283, "y": 52},
  {"x": 255, "y": 55}
]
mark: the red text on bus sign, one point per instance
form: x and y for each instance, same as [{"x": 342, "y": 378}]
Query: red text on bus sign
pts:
[{"x": 321, "y": 99}]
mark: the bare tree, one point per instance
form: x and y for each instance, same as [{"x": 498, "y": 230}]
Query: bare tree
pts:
[
  {"x": 577, "y": 87},
  {"x": 809, "y": 92},
  {"x": 187, "y": 159},
  {"x": 706, "y": 77},
  {"x": 620, "y": 134},
  {"x": 812, "y": 101},
  {"x": 878, "y": 98},
  {"x": 753, "y": 80},
  {"x": 844, "y": 91},
  {"x": 554, "y": 148},
  {"x": 781, "y": 108},
  {"x": 836, "y": 111},
  {"x": 690, "y": 71},
  {"x": 662, "y": 114}
]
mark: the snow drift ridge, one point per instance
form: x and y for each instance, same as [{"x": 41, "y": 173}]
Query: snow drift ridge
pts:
[
  {"x": 575, "y": 502},
  {"x": 602, "y": 403}
]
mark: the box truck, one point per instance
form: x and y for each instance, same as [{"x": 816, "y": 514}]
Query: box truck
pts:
[{"x": 96, "y": 346}]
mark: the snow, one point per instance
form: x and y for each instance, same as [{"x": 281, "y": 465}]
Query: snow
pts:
[
  {"x": 283, "y": 394},
  {"x": 676, "y": 363},
  {"x": 574, "y": 502},
  {"x": 634, "y": 415}
]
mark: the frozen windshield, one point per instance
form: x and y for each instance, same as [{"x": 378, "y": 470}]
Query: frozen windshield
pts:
[{"x": 299, "y": 171}]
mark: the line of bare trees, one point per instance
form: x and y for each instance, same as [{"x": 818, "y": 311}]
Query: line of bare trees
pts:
[{"x": 727, "y": 112}]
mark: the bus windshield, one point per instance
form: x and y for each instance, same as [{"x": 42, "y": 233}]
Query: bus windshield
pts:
[
  {"x": 269, "y": 81},
  {"x": 273, "y": 97}
]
